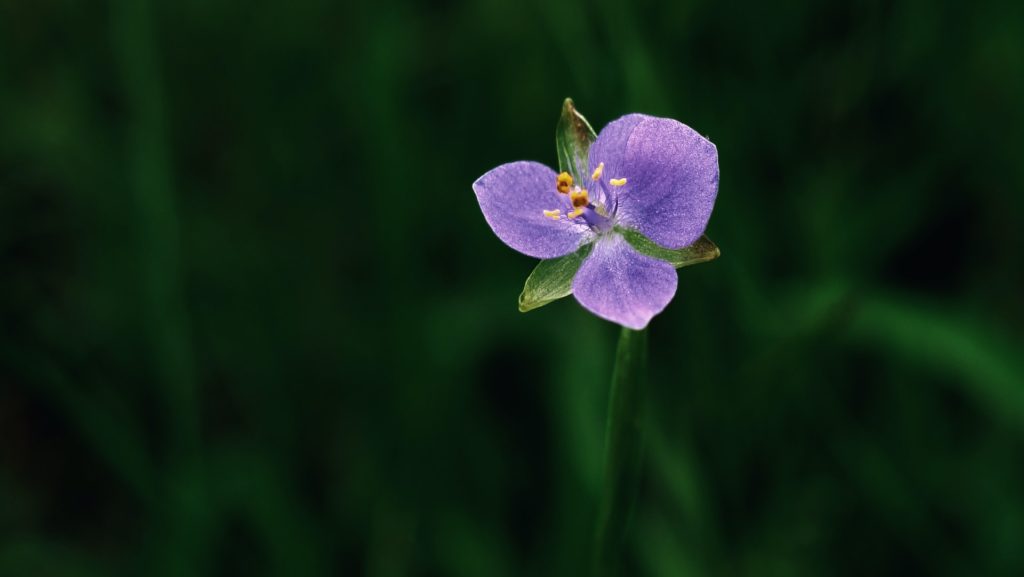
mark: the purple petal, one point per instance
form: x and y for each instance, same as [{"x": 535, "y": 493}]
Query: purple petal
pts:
[
  {"x": 513, "y": 198},
  {"x": 671, "y": 173},
  {"x": 610, "y": 148},
  {"x": 621, "y": 285}
]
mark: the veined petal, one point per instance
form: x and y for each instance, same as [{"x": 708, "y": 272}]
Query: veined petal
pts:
[
  {"x": 513, "y": 198},
  {"x": 621, "y": 285},
  {"x": 672, "y": 182},
  {"x": 610, "y": 148}
]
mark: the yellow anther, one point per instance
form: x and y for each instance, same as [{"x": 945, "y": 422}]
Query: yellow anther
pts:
[
  {"x": 563, "y": 183},
  {"x": 553, "y": 214},
  {"x": 617, "y": 181},
  {"x": 579, "y": 198},
  {"x": 597, "y": 172},
  {"x": 575, "y": 213}
]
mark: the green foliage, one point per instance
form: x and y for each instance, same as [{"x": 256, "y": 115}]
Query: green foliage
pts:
[
  {"x": 702, "y": 250},
  {"x": 252, "y": 321},
  {"x": 573, "y": 136},
  {"x": 551, "y": 279}
]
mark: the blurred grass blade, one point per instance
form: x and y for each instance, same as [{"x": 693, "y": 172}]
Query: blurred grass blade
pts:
[
  {"x": 551, "y": 280},
  {"x": 702, "y": 250},
  {"x": 624, "y": 443},
  {"x": 985, "y": 363},
  {"x": 573, "y": 137},
  {"x": 46, "y": 556},
  {"x": 115, "y": 437}
]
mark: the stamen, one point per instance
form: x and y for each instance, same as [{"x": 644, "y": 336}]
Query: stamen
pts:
[
  {"x": 617, "y": 181},
  {"x": 579, "y": 198},
  {"x": 553, "y": 214},
  {"x": 575, "y": 213},
  {"x": 563, "y": 183},
  {"x": 597, "y": 172}
]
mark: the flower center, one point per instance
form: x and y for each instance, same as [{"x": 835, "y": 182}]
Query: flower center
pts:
[{"x": 598, "y": 214}]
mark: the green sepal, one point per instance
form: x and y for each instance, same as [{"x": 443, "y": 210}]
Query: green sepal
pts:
[
  {"x": 702, "y": 250},
  {"x": 573, "y": 138},
  {"x": 552, "y": 279}
]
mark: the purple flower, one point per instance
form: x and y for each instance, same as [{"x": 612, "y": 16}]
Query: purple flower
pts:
[{"x": 653, "y": 175}]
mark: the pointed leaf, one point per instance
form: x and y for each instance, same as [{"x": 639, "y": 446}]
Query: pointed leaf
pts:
[
  {"x": 551, "y": 280},
  {"x": 702, "y": 250},
  {"x": 573, "y": 137}
]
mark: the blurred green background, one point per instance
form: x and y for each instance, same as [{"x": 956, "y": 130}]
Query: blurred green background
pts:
[{"x": 253, "y": 322}]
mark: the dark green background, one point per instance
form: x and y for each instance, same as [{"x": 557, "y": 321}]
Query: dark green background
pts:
[{"x": 253, "y": 322}]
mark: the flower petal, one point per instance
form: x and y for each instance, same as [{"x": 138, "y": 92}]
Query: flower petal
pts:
[
  {"x": 610, "y": 148},
  {"x": 513, "y": 198},
  {"x": 671, "y": 175},
  {"x": 621, "y": 285}
]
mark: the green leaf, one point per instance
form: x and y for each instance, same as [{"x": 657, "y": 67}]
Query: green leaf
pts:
[
  {"x": 573, "y": 137},
  {"x": 551, "y": 280},
  {"x": 702, "y": 250}
]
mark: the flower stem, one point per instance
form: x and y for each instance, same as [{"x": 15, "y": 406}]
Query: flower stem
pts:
[{"x": 624, "y": 444}]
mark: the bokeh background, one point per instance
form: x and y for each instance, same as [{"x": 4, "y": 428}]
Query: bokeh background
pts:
[{"x": 253, "y": 322}]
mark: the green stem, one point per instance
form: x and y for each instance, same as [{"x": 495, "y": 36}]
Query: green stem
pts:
[
  {"x": 149, "y": 177},
  {"x": 624, "y": 443}
]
